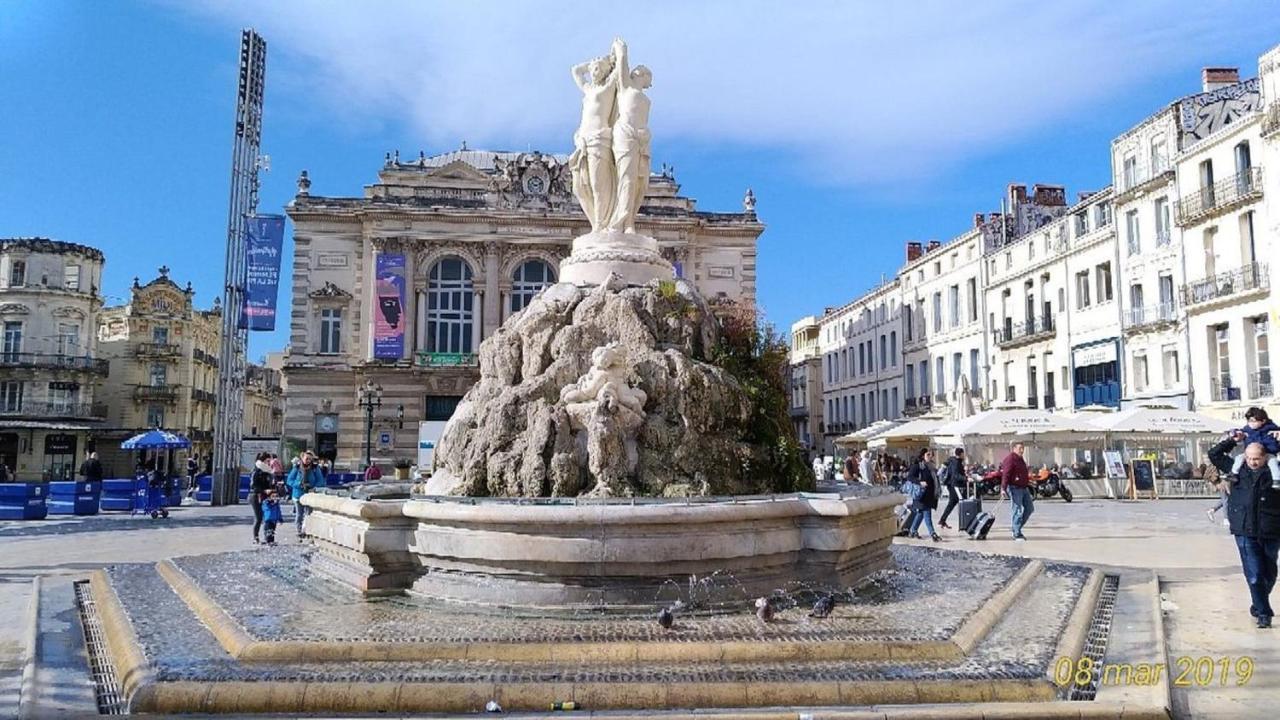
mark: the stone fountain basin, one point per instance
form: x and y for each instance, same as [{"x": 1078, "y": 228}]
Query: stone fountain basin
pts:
[{"x": 611, "y": 554}]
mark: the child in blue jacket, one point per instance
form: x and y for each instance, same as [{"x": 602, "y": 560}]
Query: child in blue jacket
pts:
[
  {"x": 1259, "y": 429},
  {"x": 271, "y": 516}
]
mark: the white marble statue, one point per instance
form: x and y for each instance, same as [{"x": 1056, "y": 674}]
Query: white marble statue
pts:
[
  {"x": 610, "y": 165},
  {"x": 592, "y": 160},
  {"x": 610, "y": 411},
  {"x": 605, "y": 382},
  {"x": 630, "y": 140}
]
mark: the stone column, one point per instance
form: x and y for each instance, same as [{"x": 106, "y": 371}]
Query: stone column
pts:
[
  {"x": 410, "y": 309},
  {"x": 492, "y": 294},
  {"x": 477, "y": 319},
  {"x": 420, "y": 321}
]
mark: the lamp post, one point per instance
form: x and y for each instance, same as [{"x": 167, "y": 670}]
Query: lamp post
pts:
[{"x": 370, "y": 400}]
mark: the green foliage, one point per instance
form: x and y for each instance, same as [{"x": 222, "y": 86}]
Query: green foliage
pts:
[
  {"x": 758, "y": 357},
  {"x": 666, "y": 289}
]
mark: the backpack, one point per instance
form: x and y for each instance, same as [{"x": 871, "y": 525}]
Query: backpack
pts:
[{"x": 944, "y": 472}]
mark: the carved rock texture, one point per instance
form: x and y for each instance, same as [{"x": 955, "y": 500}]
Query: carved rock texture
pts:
[{"x": 512, "y": 437}]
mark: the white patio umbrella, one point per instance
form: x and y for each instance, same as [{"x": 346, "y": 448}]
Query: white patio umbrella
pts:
[
  {"x": 1158, "y": 421},
  {"x": 917, "y": 433},
  {"x": 962, "y": 400},
  {"x": 1001, "y": 423},
  {"x": 861, "y": 437}
]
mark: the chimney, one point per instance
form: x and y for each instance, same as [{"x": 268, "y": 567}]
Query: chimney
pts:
[
  {"x": 1017, "y": 194},
  {"x": 978, "y": 219},
  {"x": 933, "y": 245},
  {"x": 1212, "y": 78},
  {"x": 1049, "y": 195},
  {"x": 914, "y": 251}
]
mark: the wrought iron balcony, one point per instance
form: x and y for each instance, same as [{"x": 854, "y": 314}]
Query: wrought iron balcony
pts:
[
  {"x": 1163, "y": 237},
  {"x": 1245, "y": 186},
  {"x": 1260, "y": 384},
  {"x": 1151, "y": 316},
  {"x": 82, "y": 411},
  {"x": 798, "y": 412},
  {"x": 155, "y": 349},
  {"x": 54, "y": 361},
  {"x": 1050, "y": 401},
  {"x": 1014, "y": 333},
  {"x": 1221, "y": 389},
  {"x": 434, "y": 359},
  {"x": 1033, "y": 402},
  {"x": 201, "y": 356},
  {"x": 1137, "y": 178},
  {"x": 199, "y": 395},
  {"x": 155, "y": 393},
  {"x": 1251, "y": 278},
  {"x": 1271, "y": 121},
  {"x": 200, "y": 436}
]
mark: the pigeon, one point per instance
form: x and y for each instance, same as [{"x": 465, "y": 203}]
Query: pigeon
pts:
[
  {"x": 823, "y": 607},
  {"x": 764, "y": 610},
  {"x": 666, "y": 618}
]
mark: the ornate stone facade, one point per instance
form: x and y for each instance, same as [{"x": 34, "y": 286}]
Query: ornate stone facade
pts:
[
  {"x": 164, "y": 369},
  {"x": 49, "y": 368},
  {"x": 473, "y": 235}
]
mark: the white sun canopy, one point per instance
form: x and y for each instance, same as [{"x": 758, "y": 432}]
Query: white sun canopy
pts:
[
  {"x": 1158, "y": 421},
  {"x": 1015, "y": 422}
]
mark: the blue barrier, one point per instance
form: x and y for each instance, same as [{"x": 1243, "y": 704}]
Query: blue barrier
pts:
[
  {"x": 117, "y": 494},
  {"x": 24, "y": 501},
  {"x": 74, "y": 498}
]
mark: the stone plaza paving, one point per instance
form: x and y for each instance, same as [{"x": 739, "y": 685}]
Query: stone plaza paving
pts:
[{"x": 1204, "y": 599}]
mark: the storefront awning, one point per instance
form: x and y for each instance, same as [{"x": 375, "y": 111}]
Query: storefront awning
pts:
[{"x": 40, "y": 425}]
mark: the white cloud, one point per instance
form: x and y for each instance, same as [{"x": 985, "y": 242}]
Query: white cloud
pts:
[{"x": 857, "y": 91}]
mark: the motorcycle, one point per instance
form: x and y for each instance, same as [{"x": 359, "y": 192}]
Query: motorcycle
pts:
[
  {"x": 1053, "y": 485},
  {"x": 988, "y": 485}
]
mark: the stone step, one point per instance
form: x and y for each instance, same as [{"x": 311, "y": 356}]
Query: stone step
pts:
[{"x": 1131, "y": 669}]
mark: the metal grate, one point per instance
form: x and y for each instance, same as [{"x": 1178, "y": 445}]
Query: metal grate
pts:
[
  {"x": 1095, "y": 644},
  {"x": 106, "y": 687}
]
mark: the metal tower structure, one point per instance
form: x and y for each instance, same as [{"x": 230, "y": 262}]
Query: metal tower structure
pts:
[{"x": 229, "y": 419}]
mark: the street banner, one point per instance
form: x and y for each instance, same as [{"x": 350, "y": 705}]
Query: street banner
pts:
[
  {"x": 263, "y": 240},
  {"x": 389, "y": 319}
]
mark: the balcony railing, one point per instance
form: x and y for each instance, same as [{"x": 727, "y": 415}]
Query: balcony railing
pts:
[
  {"x": 201, "y": 356},
  {"x": 84, "y": 411},
  {"x": 1223, "y": 195},
  {"x": 430, "y": 359},
  {"x": 203, "y": 396},
  {"x": 1025, "y": 332},
  {"x": 57, "y": 361},
  {"x": 1271, "y": 121},
  {"x": 1260, "y": 384},
  {"x": 1221, "y": 389},
  {"x": 155, "y": 393},
  {"x": 1136, "y": 318},
  {"x": 200, "y": 436},
  {"x": 1163, "y": 237},
  {"x": 1033, "y": 402},
  {"x": 1250, "y": 278},
  {"x": 1137, "y": 177},
  {"x": 1050, "y": 401},
  {"x": 155, "y": 349}
]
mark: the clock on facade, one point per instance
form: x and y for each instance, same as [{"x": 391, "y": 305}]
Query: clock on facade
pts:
[
  {"x": 326, "y": 424},
  {"x": 535, "y": 185}
]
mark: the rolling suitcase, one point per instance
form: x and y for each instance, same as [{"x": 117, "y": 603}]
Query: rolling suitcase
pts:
[
  {"x": 981, "y": 525},
  {"x": 969, "y": 508}
]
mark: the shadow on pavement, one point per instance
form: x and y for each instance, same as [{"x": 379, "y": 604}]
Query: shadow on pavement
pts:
[{"x": 120, "y": 523}]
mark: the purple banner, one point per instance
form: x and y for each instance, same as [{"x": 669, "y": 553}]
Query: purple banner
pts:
[
  {"x": 388, "y": 318},
  {"x": 263, "y": 240}
]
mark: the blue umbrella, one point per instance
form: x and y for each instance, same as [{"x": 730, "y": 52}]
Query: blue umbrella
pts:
[{"x": 155, "y": 440}]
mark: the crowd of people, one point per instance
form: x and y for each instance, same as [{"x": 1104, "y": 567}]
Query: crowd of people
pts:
[{"x": 268, "y": 485}]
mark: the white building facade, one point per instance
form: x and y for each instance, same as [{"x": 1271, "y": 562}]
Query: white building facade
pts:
[
  {"x": 862, "y": 365},
  {"x": 805, "y": 403}
]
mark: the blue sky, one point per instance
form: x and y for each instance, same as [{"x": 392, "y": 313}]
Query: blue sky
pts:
[{"x": 859, "y": 127}]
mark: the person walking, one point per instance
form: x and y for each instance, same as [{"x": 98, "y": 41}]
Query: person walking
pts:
[
  {"x": 865, "y": 469},
  {"x": 955, "y": 480},
  {"x": 850, "y": 470},
  {"x": 1015, "y": 484},
  {"x": 91, "y": 468},
  {"x": 259, "y": 483},
  {"x": 193, "y": 468},
  {"x": 921, "y": 473},
  {"x": 1253, "y": 510},
  {"x": 304, "y": 478}
]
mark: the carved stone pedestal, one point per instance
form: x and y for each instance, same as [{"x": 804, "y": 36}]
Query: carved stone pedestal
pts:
[{"x": 632, "y": 257}]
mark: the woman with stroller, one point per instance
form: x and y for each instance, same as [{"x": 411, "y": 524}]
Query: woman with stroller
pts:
[
  {"x": 926, "y": 500},
  {"x": 259, "y": 483}
]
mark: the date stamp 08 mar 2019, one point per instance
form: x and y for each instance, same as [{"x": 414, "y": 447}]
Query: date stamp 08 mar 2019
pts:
[{"x": 1186, "y": 671}]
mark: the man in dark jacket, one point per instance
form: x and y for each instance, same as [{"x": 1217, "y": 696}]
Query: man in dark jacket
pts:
[
  {"x": 91, "y": 468},
  {"x": 1015, "y": 484},
  {"x": 955, "y": 481},
  {"x": 1253, "y": 510}
]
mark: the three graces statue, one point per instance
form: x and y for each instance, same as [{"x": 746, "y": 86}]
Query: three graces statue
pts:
[{"x": 611, "y": 158}]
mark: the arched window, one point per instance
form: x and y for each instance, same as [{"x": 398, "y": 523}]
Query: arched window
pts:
[
  {"x": 530, "y": 278},
  {"x": 450, "y": 307}
]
